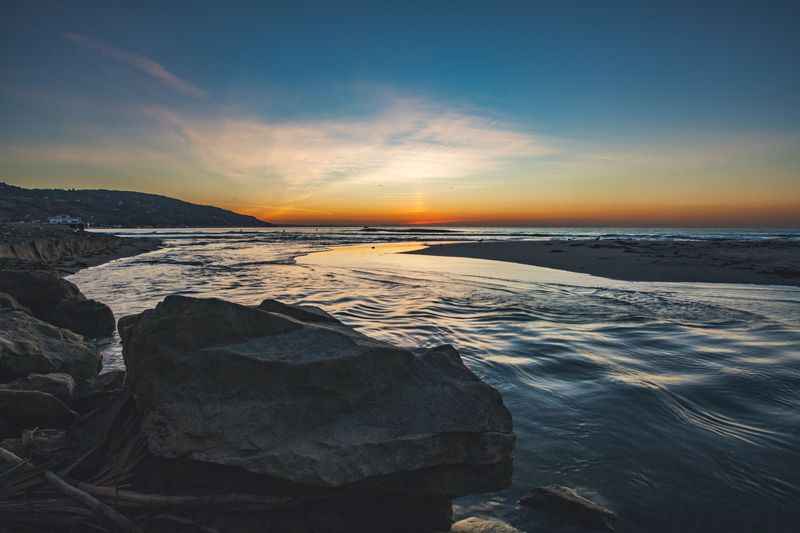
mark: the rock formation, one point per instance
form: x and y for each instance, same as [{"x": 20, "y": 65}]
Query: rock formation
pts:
[
  {"x": 315, "y": 402},
  {"x": 297, "y": 399},
  {"x": 57, "y": 301}
]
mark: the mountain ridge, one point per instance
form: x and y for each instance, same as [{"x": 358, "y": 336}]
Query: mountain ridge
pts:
[{"x": 105, "y": 207}]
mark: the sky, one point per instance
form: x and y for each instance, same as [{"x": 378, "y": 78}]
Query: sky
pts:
[{"x": 492, "y": 113}]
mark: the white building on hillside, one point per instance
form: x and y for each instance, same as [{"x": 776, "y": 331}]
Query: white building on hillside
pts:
[{"x": 64, "y": 219}]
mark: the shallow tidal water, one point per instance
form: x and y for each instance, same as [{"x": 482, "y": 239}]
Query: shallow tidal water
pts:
[{"x": 677, "y": 405}]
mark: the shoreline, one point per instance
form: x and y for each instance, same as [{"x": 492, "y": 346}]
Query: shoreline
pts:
[
  {"x": 58, "y": 248},
  {"x": 768, "y": 262}
]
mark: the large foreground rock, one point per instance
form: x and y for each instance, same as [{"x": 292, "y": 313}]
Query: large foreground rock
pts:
[
  {"x": 292, "y": 394},
  {"x": 57, "y": 301}
]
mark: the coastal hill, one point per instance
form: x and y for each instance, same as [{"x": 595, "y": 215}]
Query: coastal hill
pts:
[{"x": 101, "y": 207}]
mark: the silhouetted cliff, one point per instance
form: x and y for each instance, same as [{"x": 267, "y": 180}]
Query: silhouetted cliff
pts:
[{"x": 114, "y": 208}]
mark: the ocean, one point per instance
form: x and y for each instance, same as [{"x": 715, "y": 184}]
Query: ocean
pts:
[{"x": 675, "y": 404}]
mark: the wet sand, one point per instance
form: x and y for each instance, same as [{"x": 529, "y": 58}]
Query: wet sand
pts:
[{"x": 768, "y": 262}]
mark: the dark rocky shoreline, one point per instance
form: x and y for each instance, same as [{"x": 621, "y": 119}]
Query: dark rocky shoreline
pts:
[{"x": 59, "y": 248}]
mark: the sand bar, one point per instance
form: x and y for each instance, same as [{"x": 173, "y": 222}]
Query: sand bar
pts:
[{"x": 769, "y": 262}]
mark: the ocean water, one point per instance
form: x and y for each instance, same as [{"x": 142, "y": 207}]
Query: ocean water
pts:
[{"x": 677, "y": 405}]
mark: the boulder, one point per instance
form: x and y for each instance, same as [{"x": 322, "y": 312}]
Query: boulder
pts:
[
  {"x": 311, "y": 401},
  {"x": 29, "y": 345},
  {"x": 482, "y": 525},
  {"x": 567, "y": 506},
  {"x": 57, "y": 301},
  {"x": 59, "y": 384},
  {"x": 32, "y": 409}
]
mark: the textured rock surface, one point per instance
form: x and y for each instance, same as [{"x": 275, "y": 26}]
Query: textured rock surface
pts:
[
  {"x": 31, "y": 409},
  {"x": 29, "y": 345},
  {"x": 293, "y": 394},
  {"x": 567, "y": 506},
  {"x": 57, "y": 301},
  {"x": 59, "y": 384},
  {"x": 482, "y": 525}
]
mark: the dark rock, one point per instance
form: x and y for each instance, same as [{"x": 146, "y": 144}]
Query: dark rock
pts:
[
  {"x": 312, "y": 403},
  {"x": 482, "y": 525},
  {"x": 87, "y": 317},
  {"x": 31, "y": 409},
  {"x": 29, "y": 345},
  {"x": 59, "y": 384},
  {"x": 288, "y": 401},
  {"x": 566, "y": 505},
  {"x": 57, "y": 301}
]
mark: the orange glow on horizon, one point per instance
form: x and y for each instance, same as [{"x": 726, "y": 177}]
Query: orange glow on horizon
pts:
[{"x": 787, "y": 215}]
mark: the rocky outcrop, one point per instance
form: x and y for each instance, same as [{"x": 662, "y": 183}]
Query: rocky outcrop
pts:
[
  {"x": 294, "y": 398},
  {"x": 57, "y": 301},
  {"x": 29, "y": 345},
  {"x": 310, "y": 402},
  {"x": 565, "y": 505},
  {"x": 59, "y": 384}
]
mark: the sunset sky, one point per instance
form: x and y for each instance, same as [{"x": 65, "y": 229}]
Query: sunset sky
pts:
[{"x": 413, "y": 112}]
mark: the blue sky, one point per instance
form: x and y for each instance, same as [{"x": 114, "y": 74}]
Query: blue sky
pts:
[{"x": 578, "y": 109}]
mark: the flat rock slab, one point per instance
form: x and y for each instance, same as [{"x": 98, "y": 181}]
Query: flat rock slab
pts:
[{"x": 293, "y": 394}]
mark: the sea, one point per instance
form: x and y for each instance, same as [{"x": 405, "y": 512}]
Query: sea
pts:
[{"x": 677, "y": 405}]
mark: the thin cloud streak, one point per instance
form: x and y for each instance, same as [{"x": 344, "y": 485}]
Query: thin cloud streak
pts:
[{"x": 139, "y": 62}]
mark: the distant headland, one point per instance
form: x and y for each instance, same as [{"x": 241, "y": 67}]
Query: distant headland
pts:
[{"x": 99, "y": 207}]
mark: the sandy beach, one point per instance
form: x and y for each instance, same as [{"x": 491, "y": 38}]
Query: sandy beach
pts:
[{"x": 768, "y": 262}]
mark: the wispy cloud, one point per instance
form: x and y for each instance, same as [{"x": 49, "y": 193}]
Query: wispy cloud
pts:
[
  {"x": 408, "y": 142},
  {"x": 139, "y": 62}
]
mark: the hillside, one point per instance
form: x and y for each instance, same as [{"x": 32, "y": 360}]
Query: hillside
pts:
[{"x": 114, "y": 208}]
